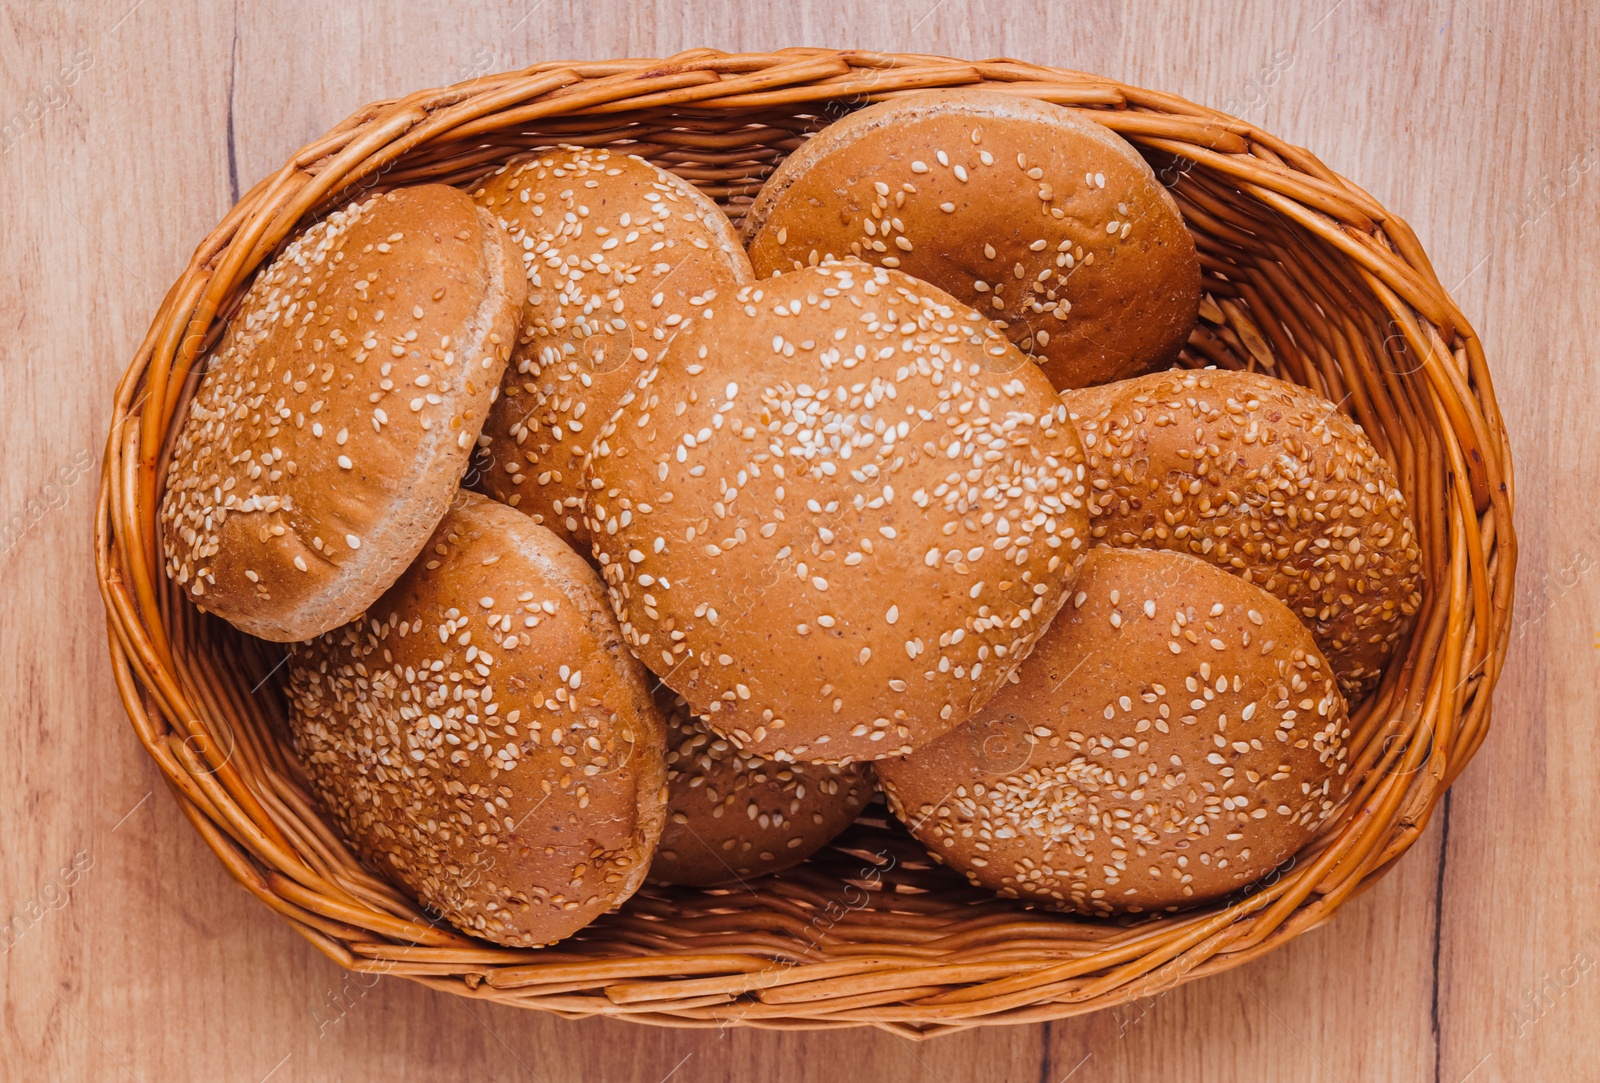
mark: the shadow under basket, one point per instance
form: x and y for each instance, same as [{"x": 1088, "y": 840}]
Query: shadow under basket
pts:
[{"x": 1306, "y": 277}]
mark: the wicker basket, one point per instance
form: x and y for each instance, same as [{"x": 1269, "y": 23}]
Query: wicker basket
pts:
[{"x": 1306, "y": 277}]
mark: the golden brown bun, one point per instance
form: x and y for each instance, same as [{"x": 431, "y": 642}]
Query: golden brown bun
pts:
[
  {"x": 1267, "y": 480},
  {"x": 338, "y": 412},
  {"x": 1174, "y": 736},
  {"x": 620, "y": 255},
  {"x": 483, "y": 737},
  {"x": 815, "y": 589},
  {"x": 732, "y": 816},
  {"x": 1051, "y": 224}
]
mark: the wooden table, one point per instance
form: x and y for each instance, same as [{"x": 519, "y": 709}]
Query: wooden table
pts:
[{"x": 133, "y": 128}]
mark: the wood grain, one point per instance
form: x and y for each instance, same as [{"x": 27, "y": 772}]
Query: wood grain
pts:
[{"x": 129, "y": 128}]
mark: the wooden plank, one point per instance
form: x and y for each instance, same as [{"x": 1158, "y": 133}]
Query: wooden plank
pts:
[{"x": 136, "y": 958}]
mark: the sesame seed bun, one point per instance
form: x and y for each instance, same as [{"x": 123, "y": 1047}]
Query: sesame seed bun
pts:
[
  {"x": 1174, "y": 736},
  {"x": 619, "y": 256},
  {"x": 732, "y": 816},
  {"x": 482, "y": 736},
  {"x": 338, "y": 412},
  {"x": 837, "y": 513},
  {"x": 1268, "y": 480},
  {"x": 1050, "y": 224}
]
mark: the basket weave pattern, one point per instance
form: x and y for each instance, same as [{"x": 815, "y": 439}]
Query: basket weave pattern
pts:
[{"x": 1305, "y": 276}]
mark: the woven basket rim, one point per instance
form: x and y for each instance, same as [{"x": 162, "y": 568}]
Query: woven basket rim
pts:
[{"x": 1308, "y": 277}]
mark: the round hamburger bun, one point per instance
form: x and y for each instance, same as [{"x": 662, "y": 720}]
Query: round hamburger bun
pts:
[
  {"x": 1052, "y": 225},
  {"x": 339, "y": 410},
  {"x": 1265, "y": 479},
  {"x": 620, "y": 256},
  {"x": 482, "y": 736},
  {"x": 1174, "y": 736},
  {"x": 837, "y": 514},
  {"x": 732, "y": 816}
]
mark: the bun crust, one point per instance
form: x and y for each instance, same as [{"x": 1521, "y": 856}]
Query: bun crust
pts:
[
  {"x": 1050, "y": 224},
  {"x": 1174, "y": 736},
  {"x": 338, "y": 411},
  {"x": 1267, "y": 480},
  {"x": 620, "y": 256},
  {"x": 483, "y": 737},
  {"x": 837, "y": 514},
  {"x": 732, "y": 816}
]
